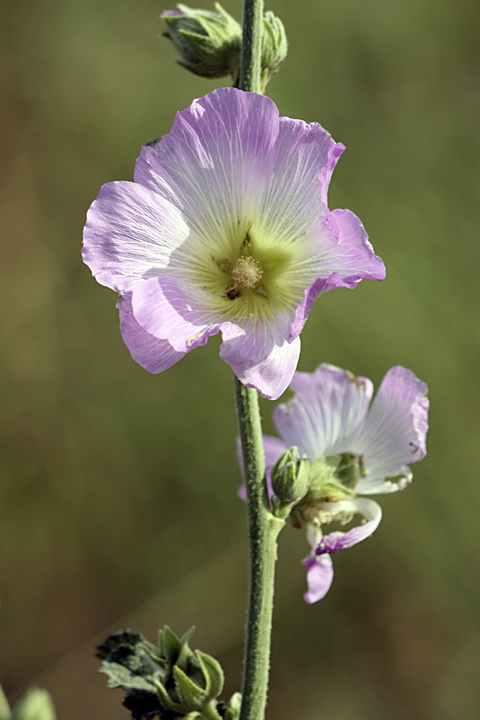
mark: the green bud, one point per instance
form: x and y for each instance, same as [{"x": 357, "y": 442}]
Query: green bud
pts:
[
  {"x": 36, "y": 704},
  {"x": 232, "y": 710},
  {"x": 291, "y": 477},
  {"x": 274, "y": 46},
  {"x": 208, "y": 43}
]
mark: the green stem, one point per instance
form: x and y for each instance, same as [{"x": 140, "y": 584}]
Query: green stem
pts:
[
  {"x": 209, "y": 711},
  {"x": 250, "y": 66},
  {"x": 263, "y": 532}
]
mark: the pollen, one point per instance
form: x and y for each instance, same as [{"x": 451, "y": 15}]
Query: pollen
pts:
[{"x": 246, "y": 273}]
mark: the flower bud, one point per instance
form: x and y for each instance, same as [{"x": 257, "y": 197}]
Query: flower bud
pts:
[
  {"x": 36, "y": 704},
  {"x": 207, "y": 42},
  {"x": 274, "y": 46},
  {"x": 291, "y": 477}
]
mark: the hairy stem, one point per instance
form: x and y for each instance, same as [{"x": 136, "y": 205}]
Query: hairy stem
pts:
[
  {"x": 250, "y": 65},
  {"x": 263, "y": 533}
]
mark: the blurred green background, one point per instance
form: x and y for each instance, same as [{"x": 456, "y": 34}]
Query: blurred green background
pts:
[{"x": 118, "y": 499}]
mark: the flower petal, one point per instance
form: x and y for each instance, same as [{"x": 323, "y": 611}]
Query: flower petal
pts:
[
  {"x": 217, "y": 162},
  {"x": 343, "y": 262},
  {"x": 394, "y": 433},
  {"x": 293, "y": 206},
  {"x": 130, "y": 234},
  {"x": 319, "y": 577},
  {"x": 151, "y": 353},
  {"x": 171, "y": 310},
  {"x": 328, "y": 408},
  {"x": 260, "y": 357},
  {"x": 337, "y": 541}
]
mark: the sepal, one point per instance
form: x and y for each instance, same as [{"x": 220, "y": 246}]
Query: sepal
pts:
[
  {"x": 274, "y": 46},
  {"x": 290, "y": 480}
]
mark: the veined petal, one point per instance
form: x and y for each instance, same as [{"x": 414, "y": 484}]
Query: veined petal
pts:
[
  {"x": 151, "y": 353},
  {"x": 169, "y": 309},
  {"x": 260, "y": 357},
  {"x": 329, "y": 407},
  {"x": 293, "y": 208},
  {"x": 337, "y": 541},
  {"x": 216, "y": 163},
  {"x": 342, "y": 262},
  {"x": 395, "y": 431},
  {"x": 130, "y": 234},
  {"x": 319, "y": 577}
]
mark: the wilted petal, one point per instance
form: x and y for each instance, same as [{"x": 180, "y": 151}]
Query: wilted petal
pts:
[
  {"x": 261, "y": 357},
  {"x": 329, "y": 407},
  {"x": 171, "y": 310},
  {"x": 395, "y": 431},
  {"x": 319, "y": 577},
  {"x": 337, "y": 541},
  {"x": 130, "y": 233},
  {"x": 151, "y": 353}
]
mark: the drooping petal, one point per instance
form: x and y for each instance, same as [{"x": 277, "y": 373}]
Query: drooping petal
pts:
[
  {"x": 346, "y": 260},
  {"x": 337, "y": 541},
  {"x": 151, "y": 353},
  {"x": 329, "y": 407},
  {"x": 130, "y": 234},
  {"x": 394, "y": 433},
  {"x": 216, "y": 163},
  {"x": 171, "y": 310},
  {"x": 260, "y": 357},
  {"x": 319, "y": 577}
]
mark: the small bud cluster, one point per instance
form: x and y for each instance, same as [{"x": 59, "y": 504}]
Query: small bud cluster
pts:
[{"x": 210, "y": 43}]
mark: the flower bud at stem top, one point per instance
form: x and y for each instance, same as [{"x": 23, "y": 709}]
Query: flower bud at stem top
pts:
[{"x": 207, "y": 42}]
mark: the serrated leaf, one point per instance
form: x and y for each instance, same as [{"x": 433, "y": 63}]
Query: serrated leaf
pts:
[
  {"x": 120, "y": 676},
  {"x": 125, "y": 636},
  {"x": 190, "y": 695}
]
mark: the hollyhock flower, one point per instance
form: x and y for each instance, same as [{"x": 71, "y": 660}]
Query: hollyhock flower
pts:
[
  {"x": 226, "y": 229},
  {"x": 353, "y": 448}
]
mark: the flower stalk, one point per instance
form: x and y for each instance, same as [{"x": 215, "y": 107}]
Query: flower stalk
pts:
[
  {"x": 251, "y": 58},
  {"x": 263, "y": 526},
  {"x": 263, "y": 533}
]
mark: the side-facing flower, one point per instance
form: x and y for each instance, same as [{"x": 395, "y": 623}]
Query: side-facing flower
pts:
[
  {"x": 226, "y": 228},
  {"x": 353, "y": 448}
]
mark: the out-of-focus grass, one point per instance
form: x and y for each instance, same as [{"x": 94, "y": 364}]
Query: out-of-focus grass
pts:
[{"x": 118, "y": 488}]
